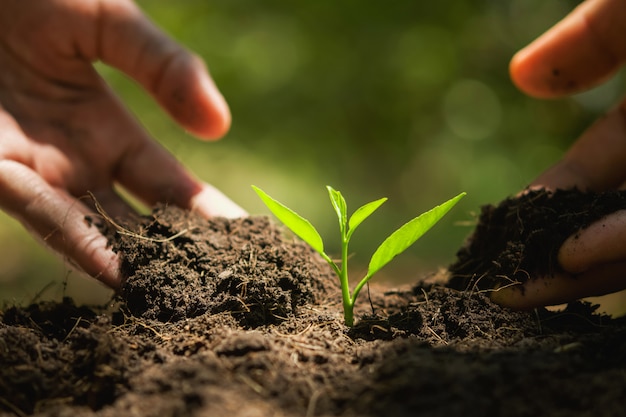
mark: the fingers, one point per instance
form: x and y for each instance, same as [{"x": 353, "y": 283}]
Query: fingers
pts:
[
  {"x": 176, "y": 78},
  {"x": 579, "y": 52},
  {"x": 180, "y": 82},
  {"x": 152, "y": 174},
  {"x": 563, "y": 288},
  {"x": 600, "y": 243},
  {"x": 597, "y": 161},
  {"x": 594, "y": 263},
  {"x": 536, "y": 292},
  {"x": 58, "y": 220},
  {"x": 212, "y": 202}
]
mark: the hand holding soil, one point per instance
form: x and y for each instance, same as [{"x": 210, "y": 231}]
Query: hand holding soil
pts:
[
  {"x": 581, "y": 51},
  {"x": 64, "y": 134}
]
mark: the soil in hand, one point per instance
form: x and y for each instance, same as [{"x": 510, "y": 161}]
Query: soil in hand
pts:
[{"x": 519, "y": 238}]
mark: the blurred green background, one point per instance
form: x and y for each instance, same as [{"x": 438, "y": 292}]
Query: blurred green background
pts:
[{"x": 410, "y": 100}]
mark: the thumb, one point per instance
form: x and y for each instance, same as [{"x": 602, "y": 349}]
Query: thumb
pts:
[
  {"x": 579, "y": 52},
  {"x": 175, "y": 77}
]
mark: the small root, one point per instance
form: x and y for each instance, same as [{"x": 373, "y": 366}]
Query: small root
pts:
[{"x": 123, "y": 231}]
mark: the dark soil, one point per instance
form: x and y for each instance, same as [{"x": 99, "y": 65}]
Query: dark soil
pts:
[
  {"x": 519, "y": 238},
  {"x": 230, "y": 318}
]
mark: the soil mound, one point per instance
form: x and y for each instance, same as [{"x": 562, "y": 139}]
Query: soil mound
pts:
[{"x": 180, "y": 266}]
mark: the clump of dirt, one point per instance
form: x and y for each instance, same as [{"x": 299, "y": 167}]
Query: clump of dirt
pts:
[
  {"x": 179, "y": 266},
  {"x": 519, "y": 238},
  {"x": 54, "y": 351},
  {"x": 234, "y": 318}
]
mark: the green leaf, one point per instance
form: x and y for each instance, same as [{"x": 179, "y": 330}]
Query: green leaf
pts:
[
  {"x": 406, "y": 235},
  {"x": 363, "y": 213},
  {"x": 341, "y": 208},
  {"x": 296, "y": 223}
]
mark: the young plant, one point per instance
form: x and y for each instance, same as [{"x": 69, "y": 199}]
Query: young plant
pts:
[{"x": 395, "y": 244}]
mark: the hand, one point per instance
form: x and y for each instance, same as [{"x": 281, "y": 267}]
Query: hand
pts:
[
  {"x": 582, "y": 50},
  {"x": 64, "y": 134}
]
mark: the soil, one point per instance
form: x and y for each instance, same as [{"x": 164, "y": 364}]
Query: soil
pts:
[
  {"x": 234, "y": 318},
  {"x": 519, "y": 238}
]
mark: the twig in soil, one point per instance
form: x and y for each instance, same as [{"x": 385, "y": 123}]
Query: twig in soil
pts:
[
  {"x": 134, "y": 320},
  {"x": 145, "y": 326},
  {"x": 310, "y": 410},
  {"x": 436, "y": 335},
  {"x": 518, "y": 269},
  {"x": 512, "y": 283},
  {"x": 256, "y": 387},
  {"x": 123, "y": 231},
  {"x": 425, "y": 297},
  {"x": 45, "y": 288},
  {"x": 470, "y": 281},
  {"x": 475, "y": 283},
  {"x": 507, "y": 329},
  {"x": 278, "y": 317},
  {"x": 481, "y": 331},
  {"x": 243, "y": 304},
  {"x": 297, "y": 334},
  {"x": 151, "y": 239},
  {"x": 378, "y": 327},
  {"x": 78, "y": 320},
  {"x": 244, "y": 289},
  {"x": 12, "y": 407}
]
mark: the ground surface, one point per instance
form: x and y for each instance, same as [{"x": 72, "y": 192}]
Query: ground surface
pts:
[{"x": 228, "y": 318}]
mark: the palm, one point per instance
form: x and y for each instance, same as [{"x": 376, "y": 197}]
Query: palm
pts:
[{"x": 69, "y": 153}]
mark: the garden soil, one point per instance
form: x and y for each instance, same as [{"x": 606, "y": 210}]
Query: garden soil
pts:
[{"x": 234, "y": 318}]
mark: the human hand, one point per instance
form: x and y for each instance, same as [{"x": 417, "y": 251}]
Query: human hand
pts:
[
  {"x": 64, "y": 134},
  {"x": 581, "y": 51}
]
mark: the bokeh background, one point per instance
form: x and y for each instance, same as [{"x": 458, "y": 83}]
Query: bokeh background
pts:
[{"x": 407, "y": 99}]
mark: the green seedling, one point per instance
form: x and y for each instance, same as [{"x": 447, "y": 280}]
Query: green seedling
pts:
[{"x": 395, "y": 244}]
